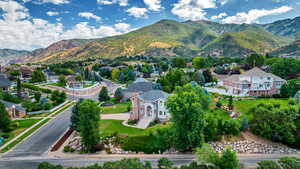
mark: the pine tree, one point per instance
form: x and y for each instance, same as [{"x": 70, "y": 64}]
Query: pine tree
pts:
[
  {"x": 75, "y": 116},
  {"x": 118, "y": 94},
  {"x": 103, "y": 95},
  {"x": 4, "y": 118}
]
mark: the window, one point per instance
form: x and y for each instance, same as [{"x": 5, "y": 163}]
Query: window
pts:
[
  {"x": 278, "y": 84},
  {"x": 269, "y": 78},
  {"x": 160, "y": 113}
]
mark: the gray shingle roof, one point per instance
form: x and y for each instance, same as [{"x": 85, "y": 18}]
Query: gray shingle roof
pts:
[
  {"x": 10, "y": 104},
  {"x": 4, "y": 82},
  {"x": 153, "y": 95},
  {"x": 139, "y": 87}
]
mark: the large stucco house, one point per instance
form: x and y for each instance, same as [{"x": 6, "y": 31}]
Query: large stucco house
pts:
[
  {"x": 15, "y": 111},
  {"x": 148, "y": 103},
  {"x": 254, "y": 82}
]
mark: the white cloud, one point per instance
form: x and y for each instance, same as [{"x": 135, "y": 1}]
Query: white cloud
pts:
[
  {"x": 51, "y": 13},
  {"x": 137, "y": 12},
  {"x": 223, "y": 2},
  {"x": 154, "y": 5},
  {"x": 192, "y": 9},
  {"x": 254, "y": 14},
  {"x": 56, "y": 2},
  {"x": 111, "y": 2},
  {"x": 123, "y": 27},
  {"x": 221, "y": 15},
  {"x": 89, "y": 15},
  {"x": 34, "y": 33}
]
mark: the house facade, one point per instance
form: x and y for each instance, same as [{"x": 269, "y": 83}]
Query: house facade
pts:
[
  {"x": 149, "y": 106},
  {"x": 5, "y": 83},
  {"x": 254, "y": 82},
  {"x": 15, "y": 111}
]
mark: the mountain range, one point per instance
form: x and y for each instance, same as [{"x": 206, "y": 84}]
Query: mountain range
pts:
[{"x": 169, "y": 38}]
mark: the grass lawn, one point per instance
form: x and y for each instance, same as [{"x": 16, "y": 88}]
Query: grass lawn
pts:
[
  {"x": 112, "y": 126},
  {"x": 117, "y": 108},
  {"x": 245, "y": 105},
  {"x": 23, "y": 125}
]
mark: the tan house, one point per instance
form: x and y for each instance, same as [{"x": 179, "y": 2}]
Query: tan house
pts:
[
  {"x": 15, "y": 111},
  {"x": 254, "y": 82}
]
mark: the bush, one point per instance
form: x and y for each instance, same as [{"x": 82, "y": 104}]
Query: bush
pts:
[
  {"x": 268, "y": 165},
  {"x": 132, "y": 122},
  {"x": 15, "y": 124},
  {"x": 5, "y": 135},
  {"x": 289, "y": 162},
  {"x": 164, "y": 163},
  {"x": 69, "y": 149}
]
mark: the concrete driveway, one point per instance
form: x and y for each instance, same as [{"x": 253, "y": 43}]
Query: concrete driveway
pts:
[{"x": 121, "y": 116}]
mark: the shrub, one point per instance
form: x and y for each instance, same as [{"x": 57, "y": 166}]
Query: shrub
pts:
[
  {"x": 69, "y": 149},
  {"x": 164, "y": 163},
  {"x": 15, "y": 124},
  {"x": 268, "y": 165},
  {"x": 289, "y": 162},
  {"x": 132, "y": 122}
]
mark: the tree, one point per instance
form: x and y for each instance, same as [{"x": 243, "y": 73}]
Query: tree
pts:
[
  {"x": 164, "y": 163},
  {"x": 229, "y": 159},
  {"x": 75, "y": 116},
  {"x": 187, "y": 106},
  {"x": 207, "y": 76},
  {"x": 286, "y": 68},
  {"x": 103, "y": 95},
  {"x": 15, "y": 73},
  {"x": 245, "y": 124},
  {"x": 4, "y": 118},
  {"x": 289, "y": 162},
  {"x": 38, "y": 76},
  {"x": 255, "y": 60},
  {"x": 131, "y": 75},
  {"x": 19, "y": 87},
  {"x": 62, "y": 81},
  {"x": 115, "y": 74},
  {"x": 87, "y": 74},
  {"x": 207, "y": 155},
  {"x": 89, "y": 118},
  {"x": 179, "y": 62},
  {"x": 230, "y": 103},
  {"x": 268, "y": 165},
  {"x": 79, "y": 78},
  {"x": 37, "y": 96},
  {"x": 121, "y": 77},
  {"x": 118, "y": 94},
  {"x": 58, "y": 97},
  {"x": 200, "y": 62},
  {"x": 290, "y": 88}
]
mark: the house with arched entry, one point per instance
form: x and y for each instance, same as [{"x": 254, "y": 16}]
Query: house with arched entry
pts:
[{"x": 149, "y": 106}]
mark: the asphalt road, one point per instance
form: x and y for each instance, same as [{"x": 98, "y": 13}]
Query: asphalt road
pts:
[{"x": 41, "y": 141}]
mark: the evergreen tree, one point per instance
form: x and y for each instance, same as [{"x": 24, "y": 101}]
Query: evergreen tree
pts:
[
  {"x": 230, "y": 103},
  {"x": 229, "y": 160},
  {"x": 89, "y": 118},
  {"x": 19, "y": 87},
  {"x": 118, "y": 94},
  {"x": 37, "y": 96},
  {"x": 131, "y": 75},
  {"x": 121, "y": 77},
  {"x": 4, "y": 118},
  {"x": 75, "y": 116},
  {"x": 103, "y": 95}
]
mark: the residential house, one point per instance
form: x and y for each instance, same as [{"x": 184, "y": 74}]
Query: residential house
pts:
[
  {"x": 140, "y": 85},
  {"x": 148, "y": 103},
  {"x": 5, "y": 83},
  {"x": 51, "y": 76},
  {"x": 254, "y": 82},
  {"x": 26, "y": 72},
  {"x": 149, "y": 106},
  {"x": 15, "y": 111}
]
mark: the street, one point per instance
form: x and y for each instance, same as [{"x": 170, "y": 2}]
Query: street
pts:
[{"x": 43, "y": 139}]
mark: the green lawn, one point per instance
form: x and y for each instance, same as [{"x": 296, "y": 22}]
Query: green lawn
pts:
[
  {"x": 23, "y": 125},
  {"x": 113, "y": 126},
  {"x": 245, "y": 105},
  {"x": 117, "y": 108}
]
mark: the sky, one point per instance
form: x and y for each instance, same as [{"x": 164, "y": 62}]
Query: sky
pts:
[{"x": 32, "y": 24}]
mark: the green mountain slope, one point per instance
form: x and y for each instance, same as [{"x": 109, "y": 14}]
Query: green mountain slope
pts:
[
  {"x": 291, "y": 50},
  {"x": 171, "y": 38},
  {"x": 237, "y": 44}
]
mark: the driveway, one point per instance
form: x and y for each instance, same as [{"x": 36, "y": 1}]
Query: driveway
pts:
[{"x": 121, "y": 116}]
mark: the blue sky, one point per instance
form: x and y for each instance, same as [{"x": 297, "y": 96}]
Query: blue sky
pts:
[{"x": 31, "y": 24}]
